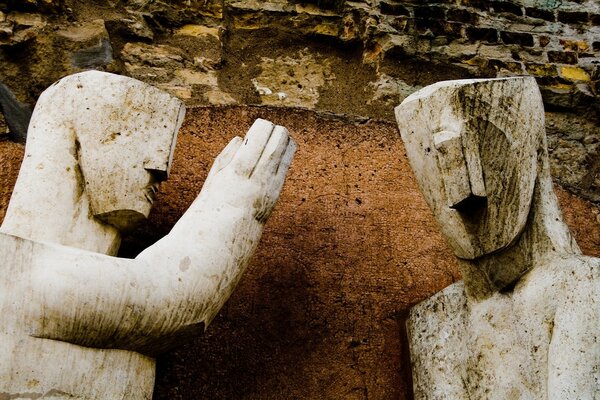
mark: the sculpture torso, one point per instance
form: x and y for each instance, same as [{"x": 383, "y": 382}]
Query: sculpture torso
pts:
[
  {"x": 537, "y": 341},
  {"x": 33, "y": 362}
]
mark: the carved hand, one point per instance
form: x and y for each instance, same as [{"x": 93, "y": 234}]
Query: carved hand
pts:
[{"x": 249, "y": 173}]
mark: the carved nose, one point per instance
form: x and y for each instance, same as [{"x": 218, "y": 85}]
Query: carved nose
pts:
[{"x": 461, "y": 171}]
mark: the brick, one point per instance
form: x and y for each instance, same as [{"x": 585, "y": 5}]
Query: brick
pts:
[
  {"x": 573, "y": 17},
  {"x": 574, "y": 74},
  {"x": 482, "y": 34},
  {"x": 434, "y": 26},
  {"x": 539, "y": 13},
  {"x": 430, "y": 12},
  {"x": 544, "y": 40},
  {"x": 595, "y": 18},
  {"x": 541, "y": 69},
  {"x": 453, "y": 29},
  {"x": 462, "y": 15},
  {"x": 393, "y": 8},
  {"x": 512, "y": 66},
  {"x": 574, "y": 45},
  {"x": 400, "y": 24},
  {"x": 524, "y": 39},
  {"x": 562, "y": 57},
  {"x": 507, "y": 7},
  {"x": 596, "y": 46},
  {"x": 480, "y": 4}
]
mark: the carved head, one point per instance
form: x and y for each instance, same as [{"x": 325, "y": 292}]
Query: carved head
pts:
[
  {"x": 124, "y": 134},
  {"x": 473, "y": 146}
]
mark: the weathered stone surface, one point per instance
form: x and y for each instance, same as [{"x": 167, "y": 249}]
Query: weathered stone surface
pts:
[
  {"x": 179, "y": 12},
  {"x": 88, "y": 44},
  {"x": 523, "y": 323},
  {"x": 293, "y": 80},
  {"x": 18, "y": 28},
  {"x": 133, "y": 26}
]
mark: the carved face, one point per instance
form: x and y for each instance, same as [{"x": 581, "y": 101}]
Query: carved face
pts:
[
  {"x": 126, "y": 134},
  {"x": 473, "y": 146}
]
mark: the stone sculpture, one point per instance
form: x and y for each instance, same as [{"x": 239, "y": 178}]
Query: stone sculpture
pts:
[
  {"x": 78, "y": 323},
  {"x": 524, "y": 323}
]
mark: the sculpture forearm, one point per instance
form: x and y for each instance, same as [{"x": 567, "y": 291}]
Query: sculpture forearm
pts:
[{"x": 181, "y": 281}]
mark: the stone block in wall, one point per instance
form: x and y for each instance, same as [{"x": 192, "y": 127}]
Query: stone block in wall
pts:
[
  {"x": 535, "y": 12},
  {"x": 520, "y": 38},
  {"x": 393, "y": 8},
  {"x": 573, "y": 17},
  {"x": 17, "y": 28},
  {"x": 429, "y": 12},
  {"x": 506, "y": 7},
  {"x": 152, "y": 55},
  {"x": 573, "y": 73},
  {"x": 546, "y": 70},
  {"x": 574, "y": 45},
  {"x": 544, "y": 40},
  {"x": 438, "y": 28},
  {"x": 505, "y": 68},
  {"x": 88, "y": 44},
  {"x": 399, "y": 46},
  {"x": 133, "y": 26},
  {"x": 462, "y": 15},
  {"x": 492, "y": 51},
  {"x": 179, "y": 12},
  {"x": 562, "y": 57},
  {"x": 475, "y": 34}
]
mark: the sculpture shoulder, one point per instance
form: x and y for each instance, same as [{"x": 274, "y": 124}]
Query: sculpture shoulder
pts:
[
  {"x": 560, "y": 276},
  {"x": 436, "y": 329},
  {"x": 447, "y": 303}
]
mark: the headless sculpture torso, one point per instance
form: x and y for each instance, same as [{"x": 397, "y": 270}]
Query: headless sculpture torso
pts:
[
  {"x": 33, "y": 363},
  {"x": 522, "y": 344}
]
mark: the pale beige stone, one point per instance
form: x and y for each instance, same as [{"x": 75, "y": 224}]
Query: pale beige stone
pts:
[
  {"x": 523, "y": 324},
  {"x": 299, "y": 76},
  {"x": 197, "y": 30}
]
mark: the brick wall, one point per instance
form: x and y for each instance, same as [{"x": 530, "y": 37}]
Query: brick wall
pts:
[{"x": 557, "y": 42}]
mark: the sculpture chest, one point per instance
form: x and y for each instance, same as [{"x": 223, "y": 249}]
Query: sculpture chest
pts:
[{"x": 511, "y": 346}]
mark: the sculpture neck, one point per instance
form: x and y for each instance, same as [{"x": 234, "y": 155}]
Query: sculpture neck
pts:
[
  {"x": 545, "y": 234},
  {"x": 49, "y": 202}
]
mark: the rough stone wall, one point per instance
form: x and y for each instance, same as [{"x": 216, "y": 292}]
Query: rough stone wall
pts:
[
  {"x": 351, "y": 57},
  {"x": 556, "y": 41}
]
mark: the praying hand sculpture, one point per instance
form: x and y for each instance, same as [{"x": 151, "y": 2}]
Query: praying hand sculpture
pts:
[
  {"x": 78, "y": 323},
  {"x": 524, "y": 323}
]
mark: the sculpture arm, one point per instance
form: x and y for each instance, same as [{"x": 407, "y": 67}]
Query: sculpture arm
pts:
[{"x": 182, "y": 281}]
